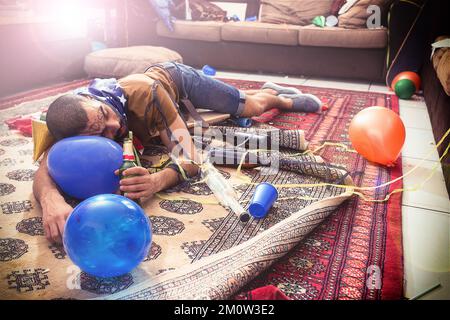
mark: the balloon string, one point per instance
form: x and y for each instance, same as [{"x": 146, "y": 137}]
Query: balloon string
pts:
[
  {"x": 344, "y": 146},
  {"x": 416, "y": 187},
  {"x": 242, "y": 177},
  {"x": 419, "y": 164},
  {"x": 164, "y": 196}
]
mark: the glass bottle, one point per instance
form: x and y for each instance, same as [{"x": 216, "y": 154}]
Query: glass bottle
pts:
[{"x": 129, "y": 160}]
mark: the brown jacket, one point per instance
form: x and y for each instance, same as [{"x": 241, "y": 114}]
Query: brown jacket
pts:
[{"x": 145, "y": 116}]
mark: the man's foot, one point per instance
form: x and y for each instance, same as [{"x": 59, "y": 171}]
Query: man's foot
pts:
[
  {"x": 280, "y": 89},
  {"x": 304, "y": 102}
]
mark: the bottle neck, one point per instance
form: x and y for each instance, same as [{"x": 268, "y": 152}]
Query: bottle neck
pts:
[{"x": 128, "y": 153}]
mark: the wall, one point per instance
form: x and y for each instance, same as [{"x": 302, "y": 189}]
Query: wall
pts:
[{"x": 36, "y": 52}]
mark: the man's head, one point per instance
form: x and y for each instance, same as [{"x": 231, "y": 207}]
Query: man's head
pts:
[{"x": 73, "y": 115}]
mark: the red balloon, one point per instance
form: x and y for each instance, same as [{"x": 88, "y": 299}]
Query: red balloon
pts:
[
  {"x": 378, "y": 134},
  {"x": 414, "y": 77}
]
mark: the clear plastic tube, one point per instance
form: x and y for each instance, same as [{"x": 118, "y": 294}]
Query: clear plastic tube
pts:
[{"x": 223, "y": 190}]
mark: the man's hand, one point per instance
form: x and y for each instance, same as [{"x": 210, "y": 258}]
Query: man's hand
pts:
[
  {"x": 144, "y": 184},
  {"x": 54, "y": 216}
]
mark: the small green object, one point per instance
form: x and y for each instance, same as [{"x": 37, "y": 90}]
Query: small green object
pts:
[
  {"x": 319, "y": 21},
  {"x": 405, "y": 88}
]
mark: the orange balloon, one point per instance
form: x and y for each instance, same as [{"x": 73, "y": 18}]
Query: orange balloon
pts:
[
  {"x": 414, "y": 77},
  {"x": 378, "y": 134}
]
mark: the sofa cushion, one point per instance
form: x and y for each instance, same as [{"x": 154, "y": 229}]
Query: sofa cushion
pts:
[
  {"x": 258, "y": 32},
  {"x": 341, "y": 37},
  {"x": 441, "y": 63},
  {"x": 357, "y": 15},
  {"x": 119, "y": 62},
  {"x": 299, "y": 12},
  {"x": 192, "y": 30}
]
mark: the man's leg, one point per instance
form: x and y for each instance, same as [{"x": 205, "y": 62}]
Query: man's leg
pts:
[
  {"x": 251, "y": 92},
  {"x": 258, "y": 103},
  {"x": 206, "y": 92}
]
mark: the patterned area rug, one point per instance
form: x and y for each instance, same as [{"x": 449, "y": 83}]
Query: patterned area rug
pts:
[
  {"x": 200, "y": 250},
  {"x": 356, "y": 253}
]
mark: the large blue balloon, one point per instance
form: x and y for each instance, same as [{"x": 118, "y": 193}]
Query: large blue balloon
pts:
[
  {"x": 107, "y": 235},
  {"x": 84, "y": 166}
]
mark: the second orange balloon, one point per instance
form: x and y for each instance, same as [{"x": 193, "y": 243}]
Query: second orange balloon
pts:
[{"x": 378, "y": 134}]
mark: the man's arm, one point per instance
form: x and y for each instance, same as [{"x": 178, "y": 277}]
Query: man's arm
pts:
[
  {"x": 146, "y": 184},
  {"x": 184, "y": 151},
  {"x": 55, "y": 210}
]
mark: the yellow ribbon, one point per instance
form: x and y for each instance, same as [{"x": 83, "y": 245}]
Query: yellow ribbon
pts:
[{"x": 416, "y": 187}]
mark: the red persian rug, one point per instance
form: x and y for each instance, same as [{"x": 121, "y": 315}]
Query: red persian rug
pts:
[
  {"x": 357, "y": 248},
  {"x": 11, "y": 101}
]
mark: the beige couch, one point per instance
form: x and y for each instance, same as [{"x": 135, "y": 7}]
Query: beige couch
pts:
[
  {"x": 267, "y": 47},
  {"x": 275, "y": 34}
]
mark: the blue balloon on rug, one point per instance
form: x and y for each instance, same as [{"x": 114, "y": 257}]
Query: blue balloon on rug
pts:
[
  {"x": 107, "y": 235},
  {"x": 84, "y": 166}
]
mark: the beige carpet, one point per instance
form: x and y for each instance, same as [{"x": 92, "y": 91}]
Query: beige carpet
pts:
[{"x": 199, "y": 250}]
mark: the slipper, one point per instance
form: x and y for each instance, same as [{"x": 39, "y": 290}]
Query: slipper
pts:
[
  {"x": 304, "y": 102},
  {"x": 280, "y": 89}
]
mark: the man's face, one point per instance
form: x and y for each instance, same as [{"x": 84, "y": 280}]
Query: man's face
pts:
[{"x": 102, "y": 120}]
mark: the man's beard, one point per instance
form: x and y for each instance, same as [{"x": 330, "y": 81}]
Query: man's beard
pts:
[{"x": 122, "y": 133}]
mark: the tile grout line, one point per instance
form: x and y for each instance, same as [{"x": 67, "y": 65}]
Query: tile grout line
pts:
[
  {"x": 447, "y": 213},
  {"x": 418, "y": 105},
  {"x": 415, "y": 158},
  {"x": 409, "y": 127},
  {"x": 334, "y": 87}
]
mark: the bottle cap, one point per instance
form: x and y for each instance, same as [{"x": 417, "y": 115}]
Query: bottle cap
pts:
[
  {"x": 208, "y": 70},
  {"x": 244, "y": 217},
  {"x": 243, "y": 122}
]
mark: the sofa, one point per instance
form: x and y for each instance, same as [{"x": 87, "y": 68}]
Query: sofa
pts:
[
  {"x": 438, "y": 104},
  {"x": 266, "y": 47}
]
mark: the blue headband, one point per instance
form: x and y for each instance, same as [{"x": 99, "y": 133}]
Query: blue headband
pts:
[{"x": 109, "y": 92}]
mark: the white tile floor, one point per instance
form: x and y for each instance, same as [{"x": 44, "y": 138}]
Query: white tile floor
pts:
[
  {"x": 338, "y": 84},
  {"x": 426, "y": 212}
]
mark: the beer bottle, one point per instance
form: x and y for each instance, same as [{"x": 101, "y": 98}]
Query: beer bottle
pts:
[{"x": 129, "y": 160}]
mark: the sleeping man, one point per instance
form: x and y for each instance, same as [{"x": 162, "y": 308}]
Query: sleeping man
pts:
[{"x": 147, "y": 105}]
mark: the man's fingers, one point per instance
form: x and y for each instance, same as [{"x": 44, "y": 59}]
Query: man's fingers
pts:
[
  {"x": 61, "y": 225},
  {"x": 54, "y": 233},
  {"x": 135, "y": 170},
  {"x": 116, "y": 172},
  {"x": 134, "y": 188},
  {"x": 132, "y": 180},
  {"x": 48, "y": 234},
  {"x": 137, "y": 195}
]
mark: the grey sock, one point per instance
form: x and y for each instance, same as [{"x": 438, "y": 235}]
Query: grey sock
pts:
[
  {"x": 280, "y": 89},
  {"x": 304, "y": 102}
]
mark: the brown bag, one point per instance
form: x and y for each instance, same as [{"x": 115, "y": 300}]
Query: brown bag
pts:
[{"x": 201, "y": 10}]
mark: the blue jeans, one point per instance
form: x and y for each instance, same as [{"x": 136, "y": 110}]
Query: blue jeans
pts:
[{"x": 203, "y": 91}]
